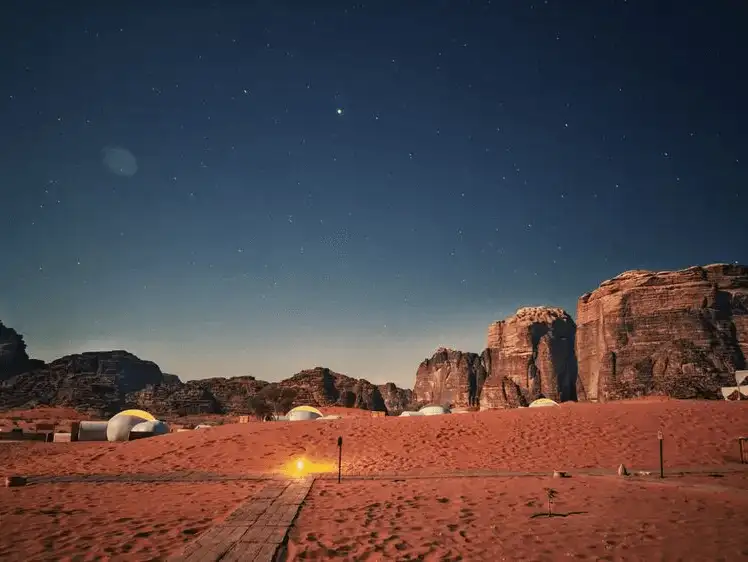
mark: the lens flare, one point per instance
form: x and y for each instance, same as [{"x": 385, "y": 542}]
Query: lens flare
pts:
[{"x": 302, "y": 467}]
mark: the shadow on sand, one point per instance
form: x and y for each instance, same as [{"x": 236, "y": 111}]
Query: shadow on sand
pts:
[{"x": 549, "y": 515}]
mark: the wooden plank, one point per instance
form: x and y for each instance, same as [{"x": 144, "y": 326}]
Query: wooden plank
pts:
[
  {"x": 265, "y": 534},
  {"x": 211, "y": 545},
  {"x": 254, "y": 531},
  {"x": 270, "y": 535},
  {"x": 271, "y": 491},
  {"x": 282, "y": 517},
  {"x": 267, "y": 553},
  {"x": 243, "y": 552},
  {"x": 211, "y": 552}
]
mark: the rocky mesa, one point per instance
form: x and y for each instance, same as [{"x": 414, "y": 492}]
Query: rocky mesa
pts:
[
  {"x": 534, "y": 349},
  {"x": 450, "y": 378},
  {"x": 681, "y": 334},
  {"x": 322, "y": 387},
  {"x": 673, "y": 333},
  {"x": 676, "y": 333},
  {"x": 529, "y": 355}
]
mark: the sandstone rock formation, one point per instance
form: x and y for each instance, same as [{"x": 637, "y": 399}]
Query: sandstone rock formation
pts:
[
  {"x": 103, "y": 383},
  {"x": 231, "y": 394},
  {"x": 322, "y": 387},
  {"x": 449, "y": 378},
  {"x": 534, "y": 350},
  {"x": 499, "y": 391},
  {"x": 13, "y": 357},
  {"x": 396, "y": 399},
  {"x": 93, "y": 382},
  {"x": 676, "y": 333},
  {"x": 174, "y": 398}
]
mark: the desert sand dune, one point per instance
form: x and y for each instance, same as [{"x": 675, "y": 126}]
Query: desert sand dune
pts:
[
  {"x": 110, "y": 521},
  {"x": 539, "y": 439},
  {"x": 694, "y": 517},
  {"x": 603, "y": 518}
]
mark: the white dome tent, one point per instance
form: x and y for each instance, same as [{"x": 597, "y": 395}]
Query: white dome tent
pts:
[
  {"x": 542, "y": 402},
  {"x": 303, "y": 413},
  {"x": 119, "y": 427},
  {"x": 407, "y": 414},
  {"x": 433, "y": 411},
  {"x": 155, "y": 427}
]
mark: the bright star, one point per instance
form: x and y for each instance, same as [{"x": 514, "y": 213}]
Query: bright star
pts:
[{"x": 339, "y": 111}]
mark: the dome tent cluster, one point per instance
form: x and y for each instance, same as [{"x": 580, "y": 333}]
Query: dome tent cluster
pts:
[{"x": 125, "y": 426}]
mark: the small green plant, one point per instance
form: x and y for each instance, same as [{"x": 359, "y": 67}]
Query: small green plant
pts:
[{"x": 551, "y": 494}]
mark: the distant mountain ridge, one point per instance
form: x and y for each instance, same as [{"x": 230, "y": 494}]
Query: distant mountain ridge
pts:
[
  {"x": 101, "y": 383},
  {"x": 680, "y": 333}
]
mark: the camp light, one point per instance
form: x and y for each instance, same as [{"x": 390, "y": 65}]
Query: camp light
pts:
[{"x": 302, "y": 467}]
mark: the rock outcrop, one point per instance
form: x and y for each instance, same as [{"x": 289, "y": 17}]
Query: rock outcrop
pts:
[
  {"x": 534, "y": 349},
  {"x": 103, "y": 383},
  {"x": 675, "y": 333},
  {"x": 396, "y": 399},
  {"x": 322, "y": 387},
  {"x": 175, "y": 398},
  {"x": 13, "y": 357},
  {"x": 450, "y": 378},
  {"x": 231, "y": 394},
  {"x": 94, "y": 382},
  {"x": 499, "y": 391}
]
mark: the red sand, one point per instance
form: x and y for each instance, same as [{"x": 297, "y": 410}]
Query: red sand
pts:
[
  {"x": 531, "y": 439},
  {"x": 110, "y": 521},
  {"x": 44, "y": 414},
  {"x": 689, "y": 518},
  {"x": 490, "y": 519}
]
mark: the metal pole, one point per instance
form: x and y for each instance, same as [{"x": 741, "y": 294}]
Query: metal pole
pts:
[
  {"x": 740, "y": 444},
  {"x": 340, "y": 457},
  {"x": 662, "y": 468}
]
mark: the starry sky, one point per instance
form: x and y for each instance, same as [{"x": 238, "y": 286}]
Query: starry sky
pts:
[{"x": 232, "y": 188}]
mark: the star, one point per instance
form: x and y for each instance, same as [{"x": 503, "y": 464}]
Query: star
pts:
[{"x": 339, "y": 111}]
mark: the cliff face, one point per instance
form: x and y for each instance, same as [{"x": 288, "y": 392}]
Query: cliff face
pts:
[
  {"x": 499, "y": 391},
  {"x": 322, "y": 387},
  {"x": 396, "y": 399},
  {"x": 452, "y": 378},
  {"x": 534, "y": 349},
  {"x": 677, "y": 333}
]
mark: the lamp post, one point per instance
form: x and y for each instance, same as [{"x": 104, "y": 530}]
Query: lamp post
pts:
[
  {"x": 340, "y": 457},
  {"x": 662, "y": 468}
]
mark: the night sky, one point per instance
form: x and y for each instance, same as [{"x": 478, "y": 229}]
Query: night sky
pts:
[{"x": 232, "y": 188}]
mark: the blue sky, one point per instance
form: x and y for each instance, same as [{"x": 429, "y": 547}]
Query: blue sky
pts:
[{"x": 350, "y": 185}]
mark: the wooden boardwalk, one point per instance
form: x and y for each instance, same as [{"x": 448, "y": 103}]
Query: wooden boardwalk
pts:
[
  {"x": 207, "y": 477},
  {"x": 255, "y": 531}
]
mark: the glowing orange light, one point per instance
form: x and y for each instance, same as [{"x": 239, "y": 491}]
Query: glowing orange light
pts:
[{"x": 301, "y": 467}]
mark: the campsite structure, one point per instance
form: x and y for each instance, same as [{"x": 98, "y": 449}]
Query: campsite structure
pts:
[
  {"x": 303, "y": 413},
  {"x": 542, "y": 402}
]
